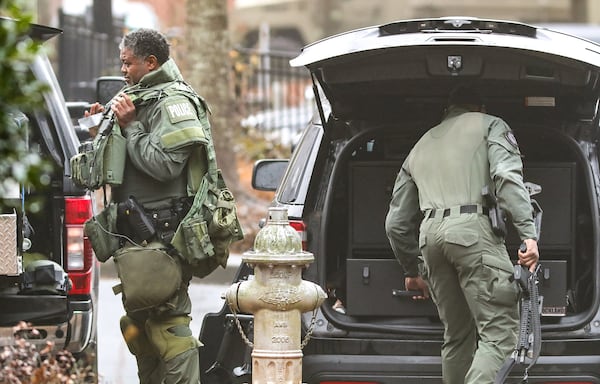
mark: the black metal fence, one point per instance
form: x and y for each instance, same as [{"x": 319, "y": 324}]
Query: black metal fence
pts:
[
  {"x": 274, "y": 99},
  {"x": 85, "y": 55}
]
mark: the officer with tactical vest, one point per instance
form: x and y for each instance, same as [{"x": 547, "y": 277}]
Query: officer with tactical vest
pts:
[
  {"x": 164, "y": 123},
  {"x": 438, "y": 211}
]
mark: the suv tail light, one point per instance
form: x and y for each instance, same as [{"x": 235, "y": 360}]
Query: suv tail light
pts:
[
  {"x": 79, "y": 254},
  {"x": 300, "y": 227}
]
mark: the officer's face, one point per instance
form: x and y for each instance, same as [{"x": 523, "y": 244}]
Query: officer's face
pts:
[{"x": 134, "y": 68}]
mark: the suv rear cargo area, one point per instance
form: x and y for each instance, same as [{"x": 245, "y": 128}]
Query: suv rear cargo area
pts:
[{"x": 372, "y": 278}]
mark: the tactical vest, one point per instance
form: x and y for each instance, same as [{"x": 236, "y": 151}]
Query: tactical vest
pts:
[{"x": 204, "y": 235}]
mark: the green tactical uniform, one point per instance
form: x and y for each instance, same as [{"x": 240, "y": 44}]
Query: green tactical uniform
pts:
[
  {"x": 161, "y": 143},
  {"x": 466, "y": 266}
]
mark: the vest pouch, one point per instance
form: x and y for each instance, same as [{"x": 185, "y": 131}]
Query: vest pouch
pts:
[
  {"x": 224, "y": 228},
  {"x": 149, "y": 276},
  {"x": 191, "y": 237},
  {"x": 222, "y": 224},
  {"x": 199, "y": 250},
  {"x": 204, "y": 236},
  {"x": 100, "y": 230},
  {"x": 100, "y": 162},
  {"x": 113, "y": 165},
  {"x": 109, "y": 159},
  {"x": 199, "y": 246},
  {"x": 80, "y": 169}
]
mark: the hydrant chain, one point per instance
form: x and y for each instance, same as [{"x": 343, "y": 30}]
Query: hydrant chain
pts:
[
  {"x": 310, "y": 330},
  {"x": 247, "y": 341},
  {"x": 240, "y": 329}
]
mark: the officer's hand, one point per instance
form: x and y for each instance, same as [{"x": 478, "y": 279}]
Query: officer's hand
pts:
[
  {"x": 94, "y": 108},
  {"x": 417, "y": 284},
  {"x": 124, "y": 110},
  {"x": 530, "y": 257}
]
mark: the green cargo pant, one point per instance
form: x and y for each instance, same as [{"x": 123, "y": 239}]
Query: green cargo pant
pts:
[
  {"x": 165, "y": 351},
  {"x": 468, "y": 270}
]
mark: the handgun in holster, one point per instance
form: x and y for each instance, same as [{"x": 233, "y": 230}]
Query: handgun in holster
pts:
[
  {"x": 139, "y": 223},
  {"x": 495, "y": 213}
]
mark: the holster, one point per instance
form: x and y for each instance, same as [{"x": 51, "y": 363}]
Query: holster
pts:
[
  {"x": 141, "y": 224},
  {"x": 495, "y": 213}
]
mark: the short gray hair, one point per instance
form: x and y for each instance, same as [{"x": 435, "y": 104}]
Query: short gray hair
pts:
[{"x": 145, "y": 42}]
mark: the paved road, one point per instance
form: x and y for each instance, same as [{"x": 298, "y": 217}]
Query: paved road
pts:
[{"x": 115, "y": 364}]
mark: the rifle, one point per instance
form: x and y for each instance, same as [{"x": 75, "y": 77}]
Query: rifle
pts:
[{"x": 529, "y": 342}]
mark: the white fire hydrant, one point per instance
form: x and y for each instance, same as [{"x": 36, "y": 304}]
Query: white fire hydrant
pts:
[{"x": 277, "y": 296}]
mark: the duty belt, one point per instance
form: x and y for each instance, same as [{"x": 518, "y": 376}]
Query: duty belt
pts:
[
  {"x": 455, "y": 211},
  {"x": 163, "y": 220}
]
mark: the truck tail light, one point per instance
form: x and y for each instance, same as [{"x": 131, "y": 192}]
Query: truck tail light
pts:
[
  {"x": 79, "y": 256},
  {"x": 348, "y": 382},
  {"x": 300, "y": 227}
]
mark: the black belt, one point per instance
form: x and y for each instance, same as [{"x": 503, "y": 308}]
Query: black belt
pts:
[
  {"x": 472, "y": 208},
  {"x": 164, "y": 220}
]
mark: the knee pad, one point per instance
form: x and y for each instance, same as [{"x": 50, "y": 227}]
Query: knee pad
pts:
[
  {"x": 171, "y": 336},
  {"x": 135, "y": 337}
]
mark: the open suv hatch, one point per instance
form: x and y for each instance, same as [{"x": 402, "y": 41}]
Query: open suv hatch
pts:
[{"x": 378, "y": 90}]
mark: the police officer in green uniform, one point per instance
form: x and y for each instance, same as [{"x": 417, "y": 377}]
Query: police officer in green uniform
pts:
[
  {"x": 163, "y": 126},
  {"x": 437, "y": 211}
]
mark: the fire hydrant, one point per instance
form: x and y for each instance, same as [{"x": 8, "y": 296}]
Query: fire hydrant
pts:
[{"x": 277, "y": 296}]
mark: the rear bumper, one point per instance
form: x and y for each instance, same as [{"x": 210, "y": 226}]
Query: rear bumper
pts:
[
  {"x": 81, "y": 325},
  {"x": 73, "y": 331},
  {"x": 427, "y": 369}
]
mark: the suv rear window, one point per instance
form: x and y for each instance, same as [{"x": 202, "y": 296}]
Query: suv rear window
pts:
[{"x": 294, "y": 185}]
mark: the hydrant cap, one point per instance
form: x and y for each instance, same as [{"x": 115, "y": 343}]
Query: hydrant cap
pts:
[{"x": 278, "y": 241}]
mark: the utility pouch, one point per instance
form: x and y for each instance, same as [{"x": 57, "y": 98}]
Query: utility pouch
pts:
[
  {"x": 224, "y": 228},
  {"x": 80, "y": 165},
  {"x": 199, "y": 251},
  {"x": 101, "y": 230},
  {"x": 101, "y": 161},
  {"x": 204, "y": 235},
  {"x": 149, "y": 276},
  {"x": 113, "y": 151}
]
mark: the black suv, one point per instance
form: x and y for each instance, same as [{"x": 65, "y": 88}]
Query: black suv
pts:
[
  {"x": 378, "y": 90},
  {"x": 52, "y": 234}
]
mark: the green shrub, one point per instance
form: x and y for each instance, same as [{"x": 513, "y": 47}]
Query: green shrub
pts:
[{"x": 19, "y": 93}]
